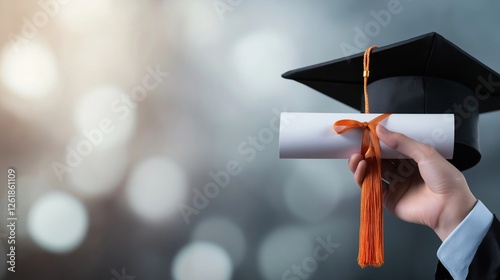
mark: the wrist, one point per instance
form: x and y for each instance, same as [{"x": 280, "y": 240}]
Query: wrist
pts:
[{"x": 454, "y": 212}]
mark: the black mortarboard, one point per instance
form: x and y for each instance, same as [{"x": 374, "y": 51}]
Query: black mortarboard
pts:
[{"x": 426, "y": 74}]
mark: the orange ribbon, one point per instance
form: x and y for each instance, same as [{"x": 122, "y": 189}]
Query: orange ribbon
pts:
[
  {"x": 371, "y": 239},
  {"x": 370, "y": 145}
]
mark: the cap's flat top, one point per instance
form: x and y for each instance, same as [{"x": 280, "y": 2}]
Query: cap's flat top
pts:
[{"x": 427, "y": 55}]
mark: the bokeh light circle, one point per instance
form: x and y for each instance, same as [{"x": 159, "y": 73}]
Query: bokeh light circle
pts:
[
  {"x": 29, "y": 69},
  {"x": 106, "y": 116},
  {"x": 224, "y": 233},
  {"x": 58, "y": 222},
  {"x": 202, "y": 261},
  {"x": 157, "y": 185},
  {"x": 281, "y": 249},
  {"x": 100, "y": 172},
  {"x": 261, "y": 57},
  {"x": 79, "y": 16}
]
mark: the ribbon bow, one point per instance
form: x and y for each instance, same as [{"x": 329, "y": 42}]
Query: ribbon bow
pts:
[
  {"x": 370, "y": 145},
  {"x": 371, "y": 240}
]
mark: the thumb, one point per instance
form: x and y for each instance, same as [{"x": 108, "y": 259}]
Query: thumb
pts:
[{"x": 407, "y": 146}]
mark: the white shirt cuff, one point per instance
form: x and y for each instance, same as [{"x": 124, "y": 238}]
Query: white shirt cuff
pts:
[{"x": 458, "y": 249}]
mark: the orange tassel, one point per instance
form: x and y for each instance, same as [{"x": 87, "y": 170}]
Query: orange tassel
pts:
[{"x": 371, "y": 231}]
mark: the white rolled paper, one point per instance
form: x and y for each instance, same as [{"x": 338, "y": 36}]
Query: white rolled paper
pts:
[{"x": 311, "y": 135}]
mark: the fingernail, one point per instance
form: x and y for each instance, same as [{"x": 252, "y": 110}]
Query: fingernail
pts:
[{"x": 381, "y": 129}]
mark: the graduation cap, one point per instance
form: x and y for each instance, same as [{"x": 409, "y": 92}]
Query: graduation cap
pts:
[{"x": 426, "y": 74}]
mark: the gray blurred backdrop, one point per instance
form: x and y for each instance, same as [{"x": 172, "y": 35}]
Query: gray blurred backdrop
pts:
[{"x": 142, "y": 135}]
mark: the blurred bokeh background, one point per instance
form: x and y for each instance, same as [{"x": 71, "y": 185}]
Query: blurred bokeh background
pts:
[{"x": 143, "y": 137}]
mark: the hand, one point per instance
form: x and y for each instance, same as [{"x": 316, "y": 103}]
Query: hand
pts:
[{"x": 426, "y": 189}]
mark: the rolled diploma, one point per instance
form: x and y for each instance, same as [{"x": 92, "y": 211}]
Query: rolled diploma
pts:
[{"x": 311, "y": 135}]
